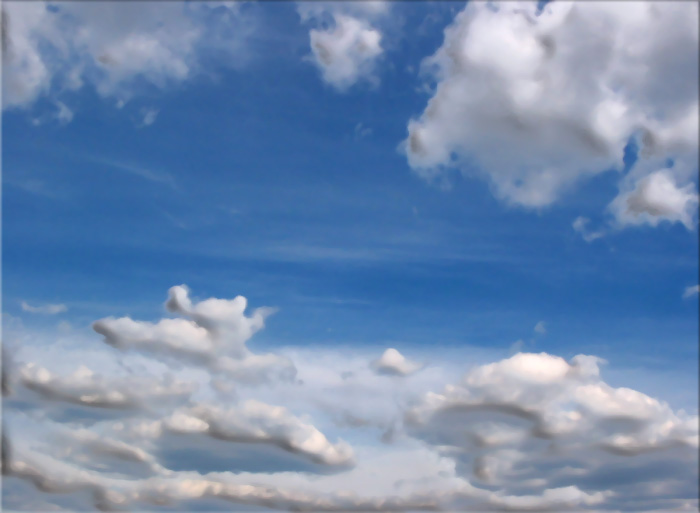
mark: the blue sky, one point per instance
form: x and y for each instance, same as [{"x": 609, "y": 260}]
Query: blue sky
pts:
[{"x": 260, "y": 176}]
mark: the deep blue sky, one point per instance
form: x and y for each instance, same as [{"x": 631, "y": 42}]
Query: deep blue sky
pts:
[
  {"x": 255, "y": 181},
  {"x": 476, "y": 224}
]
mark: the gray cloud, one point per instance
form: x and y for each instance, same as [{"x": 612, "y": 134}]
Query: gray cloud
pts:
[{"x": 86, "y": 388}]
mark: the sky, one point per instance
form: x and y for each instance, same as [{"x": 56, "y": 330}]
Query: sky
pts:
[{"x": 375, "y": 256}]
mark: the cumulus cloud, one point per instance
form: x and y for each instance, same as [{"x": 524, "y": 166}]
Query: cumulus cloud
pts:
[
  {"x": 149, "y": 116},
  {"x": 347, "y": 48},
  {"x": 529, "y": 432},
  {"x": 257, "y": 422},
  {"x": 504, "y": 419},
  {"x": 54, "y": 48},
  {"x": 44, "y": 309},
  {"x": 64, "y": 114},
  {"x": 393, "y": 363},
  {"x": 656, "y": 198},
  {"x": 536, "y": 102},
  {"x": 215, "y": 337}
]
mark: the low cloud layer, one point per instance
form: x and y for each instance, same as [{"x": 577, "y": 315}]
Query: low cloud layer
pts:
[
  {"x": 532, "y": 431},
  {"x": 214, "y": 337}
]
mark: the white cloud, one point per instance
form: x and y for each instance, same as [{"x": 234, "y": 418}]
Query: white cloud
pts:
[
  {"x": 536, "y": 103},
  {"x": 540, "y": 328},
  {"x": 87, "y": 388},
  {"x": 25, "y": 74},
  {"x": 215, "y": 337},
  {"x": 580, "y": 225},
  {"x": 691, "y": 291},
  {"x": 393, "y": 363},
  {"x": 50, "y": 309},
  {"x": 533, "y": 431},
  {"x": 656, "y": 198},
  {"x": 348, "y": 43},
  {"x": 518, "y": 409},
  {"x": 347, "y": 52},
  {"x": 257, "y": 422},
  {"x": 54, "y": 48}
]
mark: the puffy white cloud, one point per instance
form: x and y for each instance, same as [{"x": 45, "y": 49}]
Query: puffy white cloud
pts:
[
  {"x": 44, "y": 309},
  {"x": 504, "y": 419},
  {"x": 215, "y": 337},
  {"x": 656, "y": 198},
  {"x": 347, "y": 48},
  {"x": 64, "y": 114},
  {"x": 347, "y": 52},
  {"x": 537, "y": 102},
  {"x": 393, "y": 363},
  {"x": 691, "y": 291},
  {"x": 149, "y": 116}
]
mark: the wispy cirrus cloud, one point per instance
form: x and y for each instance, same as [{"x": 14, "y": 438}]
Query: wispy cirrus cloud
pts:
[{"x": 48, "y": 309}]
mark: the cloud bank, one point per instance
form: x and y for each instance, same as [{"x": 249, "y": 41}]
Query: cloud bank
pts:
[{"x": 180, "y": 429}]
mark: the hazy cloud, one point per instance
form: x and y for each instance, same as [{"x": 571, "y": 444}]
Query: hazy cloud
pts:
[
  {"x": 48, "y": 309},
  {"x": 215, "y": 337},
  {"x": 656, "y": 198},
  {"x": 691, "y": 291}
]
